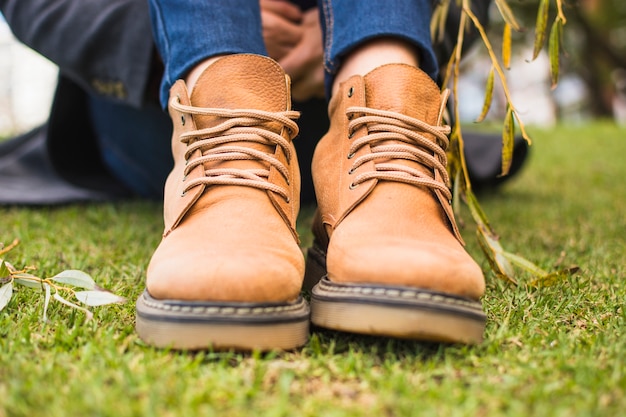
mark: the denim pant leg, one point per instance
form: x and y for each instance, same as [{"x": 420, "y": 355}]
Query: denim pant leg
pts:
[
  {"x": 135, "y": 143},
  {"x": 349, "y": 23},
  {"x": 189, "y": 31}
]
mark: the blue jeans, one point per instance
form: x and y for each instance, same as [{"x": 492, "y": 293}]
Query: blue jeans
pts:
[
  {"x": 189, "y": 31},
  {"x": 135, "y": 144}
]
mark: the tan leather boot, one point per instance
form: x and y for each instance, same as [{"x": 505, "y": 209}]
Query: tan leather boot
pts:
[
  {"x": 229, "y": 270},
  {"x": 387, "y": 244}
]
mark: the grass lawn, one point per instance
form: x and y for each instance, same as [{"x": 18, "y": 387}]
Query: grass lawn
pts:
[{"x": 551, "y": 351}]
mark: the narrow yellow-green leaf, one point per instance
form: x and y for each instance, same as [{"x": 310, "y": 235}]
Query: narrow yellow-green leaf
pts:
[
  {"x": 4, "y": 270},
  {"x": 554, "y": 47},
  {"x": 438, "y": 21},
  {"x": 506, "y": 46},
  {"x": 488, "y": 96},
  {"x": 541, "y": 27},
  {"x": 456, "y": 202},
  {"x": 507, "y": 14},
  {"x": 554, "y": 277},
  {"x": 477, "y": 212},
  {"x": 495, "y": 255},
  {"x": 522, "y": 129},
  {"x": 525, "y": 264},
  {"x": 508, "y": 141}
]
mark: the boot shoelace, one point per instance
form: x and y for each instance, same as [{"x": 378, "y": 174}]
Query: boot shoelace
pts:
[
  {"x": 240, "y": 125},
  {"x": 409, "y": 144}
]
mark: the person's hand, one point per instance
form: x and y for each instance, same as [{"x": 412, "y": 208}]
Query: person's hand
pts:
[
  {"x": 304, "y": 62},
  {"x": 281, "y": 22},
  {"x": 294, "y": 39}
]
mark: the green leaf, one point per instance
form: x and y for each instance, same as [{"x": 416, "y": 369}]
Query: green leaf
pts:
[
  {"x": 27, "y": 280},
  {"x": 525, "y": 264},
  {"x": 554, "y": 47},
  {"x": 507, "y": 14},
  {"x": 541, "y": 27},
  {"x": 488, "y": 96},
  {"x": 456, "y": 186},
  {"x": 98, "y": 298},
  {"x": 4, "y": 270},
  {"x": 477, "y": 212},
  {"x": 495, "y": 255},
  {"x": 506, "y": 46},
  {"x": 6, "y": 291},
  {"x": 76, "y": 278},
  {"x": 508, "y": 141},
  {"x": 553, "y": 277},
  {"x": 438, "y": 21}
]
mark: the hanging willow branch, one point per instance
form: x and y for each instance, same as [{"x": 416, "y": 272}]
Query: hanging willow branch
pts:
[{"x": 501, "y": 261}]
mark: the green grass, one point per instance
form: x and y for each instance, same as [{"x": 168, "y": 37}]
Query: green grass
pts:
[{"x": 551, "y": 351}]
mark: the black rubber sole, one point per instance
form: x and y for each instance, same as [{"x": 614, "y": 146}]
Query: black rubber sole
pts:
[
  {"x": 399, "y": 312},
  {"x": 195, "y": 325},
  {"x": 392, "y": 311}
]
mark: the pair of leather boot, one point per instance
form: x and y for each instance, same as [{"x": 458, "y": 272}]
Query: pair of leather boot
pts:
[{"x": 388, "y": 259}]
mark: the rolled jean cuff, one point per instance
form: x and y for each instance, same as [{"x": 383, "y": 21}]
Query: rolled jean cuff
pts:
[
  {"x": 351, "y": 24},
  {"x": 215, "y": 28}
]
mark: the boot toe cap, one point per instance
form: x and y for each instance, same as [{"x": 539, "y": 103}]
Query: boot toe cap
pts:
[
  {"x": 422, "y": 265},
  {"x": 225, "y": 273}
]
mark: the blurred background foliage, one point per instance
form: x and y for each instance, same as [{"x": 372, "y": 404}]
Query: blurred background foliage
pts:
[{"x": 593, "y": 51}]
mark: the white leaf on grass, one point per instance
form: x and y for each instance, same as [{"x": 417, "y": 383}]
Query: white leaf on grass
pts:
[
  {"x": 98, "y": 298},
  {"x": 62, "y": 300},
  {"x": 27, "y": 280},
  {"x": 46, "y": 302},
  {"x": 76, "y": 278},
  {"x": 6, "y": 291}
]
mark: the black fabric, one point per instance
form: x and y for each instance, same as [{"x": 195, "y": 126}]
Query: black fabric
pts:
[
  {"x": 313, "y": 123},
  {"x": 27, "y": 176},
  {"x": 72, "y": 146},
  {"x": 105, "y": 47},
  {"x": 483, "y": 156}
]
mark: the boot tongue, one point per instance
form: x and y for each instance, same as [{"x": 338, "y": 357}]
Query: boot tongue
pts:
[
  {"x": 403, "y": 89},
  {"x": 241, "y": 82}
]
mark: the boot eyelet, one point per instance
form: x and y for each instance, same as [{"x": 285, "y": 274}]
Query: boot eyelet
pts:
[
  {"x": 351, "y": 171},
  {"x": 350, "y": 156},
  {"x": 353, "y": 186},
  {"x": 182, "y": 119},
  {"x": 350, "y": 91},
  {"x": 184, "y": 193},
  {"x": 350, "y": 135}
]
